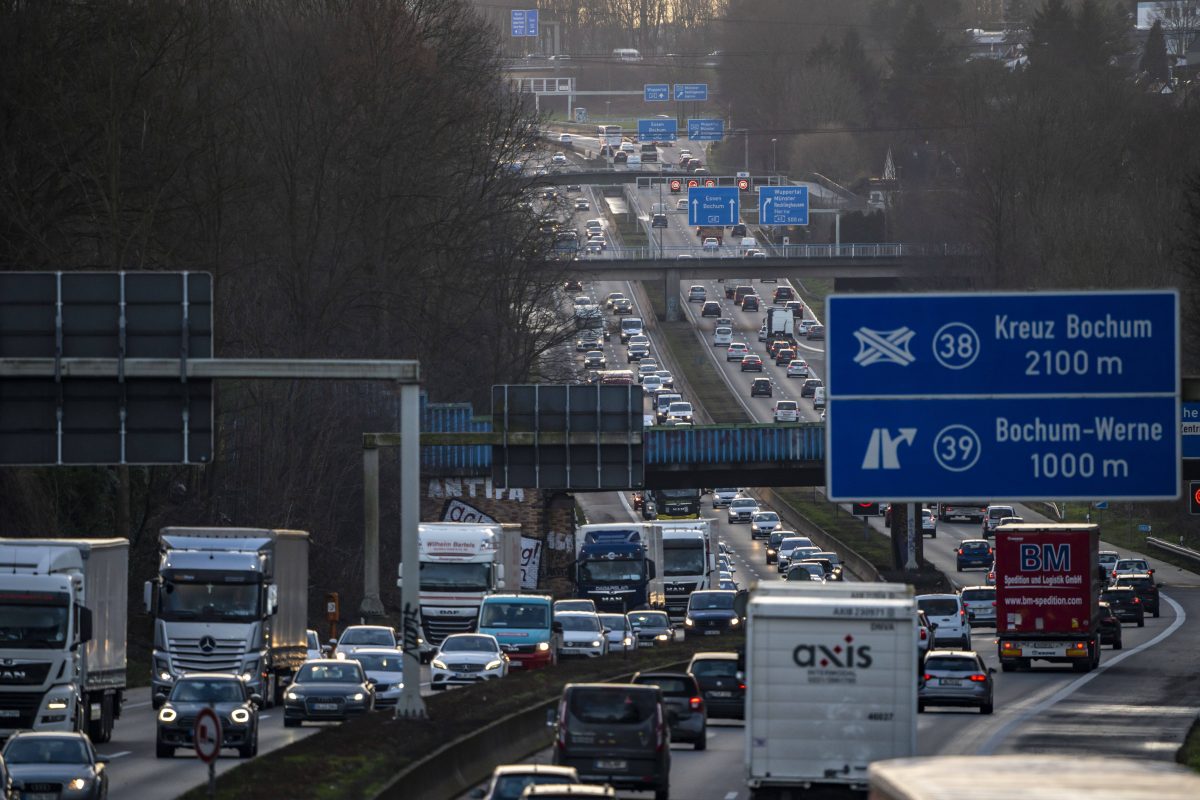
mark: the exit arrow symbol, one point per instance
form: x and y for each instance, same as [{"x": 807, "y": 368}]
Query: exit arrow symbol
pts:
[{"x": 766, "y": 203}]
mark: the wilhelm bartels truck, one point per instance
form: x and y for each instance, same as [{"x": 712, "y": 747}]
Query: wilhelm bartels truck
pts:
[
  {"x": 1047, "y": 595},
  {"x": 62, "y": 634},
  {"x": 831, "y": 685},
  {"x": 231, "y": 600},
  {"x": 462, "y": 563}
]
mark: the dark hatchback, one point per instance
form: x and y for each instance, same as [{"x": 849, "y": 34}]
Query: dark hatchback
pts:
[
  {"x": 686, "y": 714},
  {"x": 760, "y": 387},
  {"x": 772, "y": 548},
  {"x": 750, "y": 302},
  {"x": 1147, "y": 590},
  {"x": 224, "y": 694},
  {"x": 1110, "y": 627},
  {"x": 327, "y": 689},
  {"x": 1125, "y": 604},
  {"x": 711, "y": 612},
  {"x": 615, "y": 734},
  {"x": 974, "y": 554},
  {"x": 723, "y": 687}
]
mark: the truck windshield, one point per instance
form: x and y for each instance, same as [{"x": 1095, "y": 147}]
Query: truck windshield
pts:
[
  {"x": 514, "y": 615},
  {"x": 26, "y": 622},
  {"x": 683, "y": 559},
  {"x": 437, "y": 576},
  {"x": 601, "y": 571},
  {"x": 208, "y": 600}
]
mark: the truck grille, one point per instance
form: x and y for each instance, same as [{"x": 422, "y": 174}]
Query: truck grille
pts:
[
  {"x": 225, "y": 655},
  {"x": 24, "y": 703},
  {"x": 436, "y": 629},
  {"x": 24, "y": 674}
]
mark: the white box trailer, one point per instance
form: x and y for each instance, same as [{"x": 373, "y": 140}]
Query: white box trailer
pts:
[{"x": 848, "y": 659}]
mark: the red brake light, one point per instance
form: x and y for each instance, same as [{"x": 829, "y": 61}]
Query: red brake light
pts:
[
  {"x": 1114, "y": 573},
  {"x": 1137, "y": 599},
  {"x": 696, "y": 703},
  {"x": 562, "y": 726},
  {"x": 926, "y": 677},
  {"x": 960, "y": 551},
  {"x": 979, "y": 678},
  {"x": 660, "y": 730},
  {"x": 742, "y": 686},
  {"x": 924, "y": 635}
]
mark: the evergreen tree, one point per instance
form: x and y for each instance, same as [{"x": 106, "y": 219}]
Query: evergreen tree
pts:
[
  {"x": 1154, "y": 55},
  {"x": 1052, "y": 38}
]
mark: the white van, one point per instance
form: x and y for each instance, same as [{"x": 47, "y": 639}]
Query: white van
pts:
[
  {"x": 626, "y": 54},
  {"x": 722, "y": 336},
  {"x": 819, "y": 397}
]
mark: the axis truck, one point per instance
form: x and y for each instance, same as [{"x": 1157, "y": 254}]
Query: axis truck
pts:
[
  {"x": 231, "y": 600},
  {"x": 62, "y": 634}
]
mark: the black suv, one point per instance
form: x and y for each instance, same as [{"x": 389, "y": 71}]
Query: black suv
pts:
[
  {"x": 1110, "y": 627},
  {"x": 723, "y": 686},
  {"x": 760, "y": 387},
  {"x": 1125, "y": 604},
  {"x": 1142, "y": 583},
  {"x": 772, "y": 548},
  {"x": 739, "y": 230}
]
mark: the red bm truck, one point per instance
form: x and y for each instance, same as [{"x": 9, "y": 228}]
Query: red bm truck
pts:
[{"x": 1047, "y": 595}]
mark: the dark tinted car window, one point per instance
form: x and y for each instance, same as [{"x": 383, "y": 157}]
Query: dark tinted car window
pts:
[
  {"x": 718, "y": 667},
  {"x": 611, "y": 705},
  {"x": 193, "y": 691},
  {"x": 1116, "y": 595},
  {"x": 509, "y": 787},
  {"x": 670, "y": 686},
  {"x": 939, "y": 606},
  {"x": 703, "y": 602},
  {"x": 951, "y": 664},
  {"x": 974, "y": 547},
  {"x": 776, "y": 538},
  {"x": 979, "y": 594},
  {"x": 39, "y": 750}
]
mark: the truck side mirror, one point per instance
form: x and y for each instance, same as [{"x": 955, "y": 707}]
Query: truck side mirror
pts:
[
  {"x": 148, "y": 596},
  {"x": 551, "y": 717},
  {"x": 500, "y": 574},
  {"x": 85, "y": 625},
  {"x": 272, "y": 599}
]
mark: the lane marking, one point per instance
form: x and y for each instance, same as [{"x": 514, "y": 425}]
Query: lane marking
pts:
[
  {"x": 121, "y": 754},
  {"x": 990, "y": 746},
  {"x": 135, "y": 705}
]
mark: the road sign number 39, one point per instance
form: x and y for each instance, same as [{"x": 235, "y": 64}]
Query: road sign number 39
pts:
[{"x": 956, "y": 448}]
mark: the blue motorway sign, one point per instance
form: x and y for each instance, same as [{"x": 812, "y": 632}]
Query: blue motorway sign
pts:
[
  {"x": 712, "y": 205},
  {"x": 1029, "y": 343},
  {"x": 691, "y": 91},
  {"x": 1029, "y": 448},
  {"x": 657, "y": 92},
  {"x": 525, "y": 23},
  {"x": 1191, "y": 430},
  {"x": 706, "y": 130},
  {"x": 657, "y": 130},
  {"x": 783, "y": 205}
]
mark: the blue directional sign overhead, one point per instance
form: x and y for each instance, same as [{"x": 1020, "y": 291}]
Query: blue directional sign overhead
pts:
[
  {"x": 1191, "y": 430},
  {"x": 657, "y": 92},
  {"x": 525, "y": 22},
  {"x": 1035, "y": 395},
  {"x": 1003, "y": 448},
  {"x": 691, "y": 91},
  {"x": 783, "y": 205},
  {"x": 706, "y": 130},
  {"x": 712, "y": 205},
  {"x": 657, "y": 130}
]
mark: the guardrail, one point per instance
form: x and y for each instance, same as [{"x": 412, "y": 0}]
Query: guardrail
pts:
[
  {"x": 854, "y": 563},
  {"x": 1175, "y": 549}
]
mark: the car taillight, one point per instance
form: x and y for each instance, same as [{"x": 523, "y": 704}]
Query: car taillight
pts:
[
  {"x": 742, "y": 686},
  {"x": 926, "y": 677},
  {"x": 978, "y": 678},
  {"x": 960, "y": 551},
  {"x": 924, "y": 635},
  {"x": 661, "y": 733},
  {"x": 1114, "y": 573},
  {"x": 562, "y": 726},
  {"x": 993, "y": 604},
  {"x": 696, "y": 703},
  {"x": 1137, "y": 599}
]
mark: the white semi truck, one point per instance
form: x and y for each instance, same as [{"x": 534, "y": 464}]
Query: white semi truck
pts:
[
  {"x": 62, "y": 634},
  {"x": 461, "y": 563},
  {"x": 847, "y": 658},
  {"x": 231, "y": 600},
  {"x": 689, "y": 561}
]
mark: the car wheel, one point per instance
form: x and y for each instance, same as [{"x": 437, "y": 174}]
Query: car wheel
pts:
[
  {"x": 291, "y": 723},
  {"x": 933, "y": 535},
  {"x": 1156, "y": 613},
  {"x": 702, "y": 742},
  {"x": 1117, "y": 644},
  {"x": 163, "y": 751},
  {"x": 662, "y": 794},
  {"x": 920, "y": 707},
  {"x": 250, "y": 750},
  {"x": 986, "y": 708},
  {"x": 1142, "y": 622}
]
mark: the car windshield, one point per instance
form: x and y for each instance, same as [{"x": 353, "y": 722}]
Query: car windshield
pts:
[
  {"x": 1131, "y": 564},
  {"x": 715, "y": 600},
  {"x": 792, "y": 543},
  {"x": 39, "y": 750},
  {"x": 381, "y": 662},
  {"x": 514, "y": 615},
  {"x": 605, "y": 705},
  {"x": 581, "y": 623},
  {"x": 649, "y": 619},
  {"x": 681, "y": 407},
  {"x": 766, "y": 516},
  {"x": 468, "y": 644},
  {"x": 951, "y": 664},
  {"x": 462, "y": 577},
  {"x": 341, "y": 672},
  {"x": 743, "y": 502},
  {"x": 938, "y": 606},
  {"x": 375, "y": 636},
  {"x": 722, "y": 668},
  {"x": 207, "y": 691}
]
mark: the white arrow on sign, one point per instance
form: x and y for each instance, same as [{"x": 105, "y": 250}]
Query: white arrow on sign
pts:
[
  {"x": 696, "y": 209},
  {"x": 732, "y": 208},
  {"x": 766, "y": 203}
]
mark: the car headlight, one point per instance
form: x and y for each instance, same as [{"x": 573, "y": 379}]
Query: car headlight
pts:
[
  {"x": 688, "y": 621},
  {"x": 735, "y": 621},
  {"x": 627, "y": 641},
  {"x": 439, "y": 664},
  {"x": 167, "y": 714},
  {"x": 543, "y": 646},
  {"x": 356, "y": 697},
  {"x": 240, "y": 715},
  {"x": 58, "y": 703},
  {"x": 340, "y": 656},
  {"x": 497, "y": 664},
  {"x": 596, "y": 643},
  {"x": 292, "y": 696},
  {"x": 77, "y": 784},
  {"x": 662, "y": 637}
]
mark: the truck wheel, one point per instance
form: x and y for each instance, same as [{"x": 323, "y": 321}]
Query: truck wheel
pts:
[
  {"x": 1156, "y": 613},
  {"x": 920, "y": 707},
  {"x": 662, "y": 794},
  {"x": 1082, "y": 666},
  {"x": 702, "y": 742},
  {"x": 1008, "y": 666},
  {"x": 1117, "y": 644}
]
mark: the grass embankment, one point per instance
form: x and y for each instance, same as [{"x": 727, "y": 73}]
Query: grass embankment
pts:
[
  {"x": 357, "y": 758},
  {"x": 1189, "y": 753},
  {"x": 1119, "y": 526},
  {"x": 710, "y": 391}
]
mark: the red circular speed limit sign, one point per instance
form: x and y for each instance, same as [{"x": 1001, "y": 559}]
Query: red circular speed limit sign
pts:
[
  {"x": 693, "y": 183},
  {"x": 675, "y": 185},
  {"x": 709, "y": 182},
  {"x": 206, "y": 735},
  {"x": 743, "y": 184}
]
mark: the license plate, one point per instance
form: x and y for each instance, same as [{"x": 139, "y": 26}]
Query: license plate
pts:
[
  {"x": 464, "y": 675},
  {"x": 9, "y": 712},
  {"x": 611, "y": 764},
  {"x": 711, "y": 633},
  {"x": 325, "y": 706},
  {"x": 950, "y": 681},
  {"x": 720, "y": 694},
  {"x": 41, "y": 796},
  {"x": 1044, "y": 653}
]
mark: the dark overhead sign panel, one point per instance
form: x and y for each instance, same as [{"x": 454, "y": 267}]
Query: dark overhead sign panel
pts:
[{"x": 61, "y": 419}]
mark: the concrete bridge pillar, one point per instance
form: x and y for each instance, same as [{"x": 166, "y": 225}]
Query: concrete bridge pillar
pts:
[{"x": 671, "y": 295}]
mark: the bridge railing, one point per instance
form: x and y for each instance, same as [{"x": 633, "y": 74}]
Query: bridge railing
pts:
[{"x": 813, "y": 251}]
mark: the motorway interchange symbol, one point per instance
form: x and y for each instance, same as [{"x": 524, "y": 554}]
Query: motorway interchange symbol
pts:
[{"x": 890, "y": 346}]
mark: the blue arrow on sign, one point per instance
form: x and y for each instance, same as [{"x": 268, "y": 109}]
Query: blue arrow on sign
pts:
[
  {"x": 706, "y": 130},
  {"x": 691, "y": 91},
  {"x": 658, "y": 130},
  {"x": 713, "y": 205},
  {"x": 783, "y": 205},
  {"x": 657, "y": 92}
]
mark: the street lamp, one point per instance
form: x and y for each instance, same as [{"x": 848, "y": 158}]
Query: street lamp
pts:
[{"x": 773, "y": 162}]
